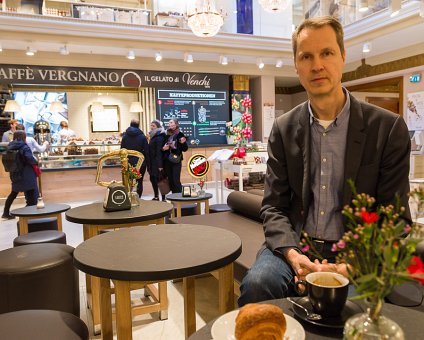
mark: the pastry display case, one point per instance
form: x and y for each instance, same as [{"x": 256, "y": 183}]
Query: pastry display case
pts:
[{"x": 77, "y": 155}]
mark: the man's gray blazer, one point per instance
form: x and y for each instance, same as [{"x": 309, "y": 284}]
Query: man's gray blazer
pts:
[{"x": 377, "y": 159}]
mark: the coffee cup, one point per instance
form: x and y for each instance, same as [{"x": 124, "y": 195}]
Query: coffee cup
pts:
[{"x": 327, "y": 292}]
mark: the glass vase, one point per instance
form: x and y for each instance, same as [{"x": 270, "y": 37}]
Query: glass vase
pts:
[
  {"x": 372, "y": 326},
  {"x": 133, "y": 195}
]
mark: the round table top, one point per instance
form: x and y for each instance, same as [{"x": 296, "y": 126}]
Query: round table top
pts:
[
  {"x": 408, "y": 319},
  {"x": 32, "y": 210},
  {"x": 157, "y": 253},
  {"x": 94, "y": 213},
  {"x": 179, "y": 197}
]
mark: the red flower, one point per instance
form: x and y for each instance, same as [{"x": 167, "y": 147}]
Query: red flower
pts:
[
  {"x": 416, "y": 267},
  {"x": 369, "y": 217}
]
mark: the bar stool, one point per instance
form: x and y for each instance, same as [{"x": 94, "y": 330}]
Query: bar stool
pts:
[
  {"x": 45, "y": 236},
  {"x": 216, "y": 208},
  {"x": 39, "y": 276},
  {"x": 42, "y": 325},
  {"x": 39, "y": 224}
]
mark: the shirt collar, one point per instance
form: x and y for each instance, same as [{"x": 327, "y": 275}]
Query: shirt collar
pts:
[{"x": 344, "y": 112}]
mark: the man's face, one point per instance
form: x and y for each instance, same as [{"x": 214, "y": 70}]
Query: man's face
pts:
[
  {"x": 13, "y": 126},
  {"x": 319, "y": 62}
]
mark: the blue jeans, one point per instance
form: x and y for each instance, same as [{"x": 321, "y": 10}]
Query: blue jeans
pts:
[{"x": 270, "y": 277}]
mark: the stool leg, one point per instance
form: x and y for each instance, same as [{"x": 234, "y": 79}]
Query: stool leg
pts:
[
  {"x": 106, "y": 309},
  {"x": 178, "y": 209},
  {"x": 123, "y": 310},
  {"x": 189, "y": 306},
  {"x": 198, "y": 208},
  {"x": 207, "y": 207},
  {"x": 23, "y": 225},
  {"x": 163, "y": 299},
  {"x": 59, "y": 221}
]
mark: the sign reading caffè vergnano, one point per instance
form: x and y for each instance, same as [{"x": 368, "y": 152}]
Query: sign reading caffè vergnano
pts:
[{"x": 58, "y": 75}]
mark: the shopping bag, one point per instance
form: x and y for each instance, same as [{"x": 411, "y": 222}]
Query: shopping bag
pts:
[{"x": 163, "y": 184}]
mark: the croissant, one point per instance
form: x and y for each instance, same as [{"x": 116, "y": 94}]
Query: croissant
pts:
[{"x": 260, "y": 322}]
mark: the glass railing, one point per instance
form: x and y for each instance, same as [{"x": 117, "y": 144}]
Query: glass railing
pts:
[{"x": 241, "y": 16}]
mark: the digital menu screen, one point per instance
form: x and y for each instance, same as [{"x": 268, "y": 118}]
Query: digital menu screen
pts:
[{"x": 202, "y": 114}]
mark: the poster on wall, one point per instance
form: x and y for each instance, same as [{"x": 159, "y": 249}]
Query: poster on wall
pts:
[
  {"x": 36, "y": 106},
  {"x": 415, "y": 111},
  {"x": 202, "y": 114},
  {"x": 268, "y": 114}
]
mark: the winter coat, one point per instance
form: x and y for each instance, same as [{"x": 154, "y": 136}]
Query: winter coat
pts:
[
  {"x": 179, "y": 147},
  {"x": 134, "y": 139},
  {"x": 156, "y": 153},
  {"x": 26, "y": 180}
]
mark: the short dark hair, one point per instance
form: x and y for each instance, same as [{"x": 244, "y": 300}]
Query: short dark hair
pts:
[
  {"x": 63, "y": 124},
  {"x": 19, "y": 135},
  {"x": 135, "y": 123},
  {"x": 20, "y": 127},
  {"x": 319, "y": 22}
]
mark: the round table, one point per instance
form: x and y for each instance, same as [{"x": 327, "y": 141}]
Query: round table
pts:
[
  {"x": 407, "y": 318},
  {"x": 94, "y": 218},
  {"x": 154, "y": 254},
  {"x": 179, "y": 200},
  {"x": 32, "y": 212}
]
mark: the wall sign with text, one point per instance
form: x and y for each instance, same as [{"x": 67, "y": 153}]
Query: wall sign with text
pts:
[
  {"x": 202, "y": 114},
  {"x": 59, "y": 75}
]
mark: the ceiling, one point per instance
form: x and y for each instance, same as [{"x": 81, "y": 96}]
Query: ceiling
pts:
[{"x": 391, "y": 38}]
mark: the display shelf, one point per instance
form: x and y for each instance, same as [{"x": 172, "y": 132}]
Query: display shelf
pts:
[
  {"x": 51, "y": 160},
  {"x": 97, "y": 12}
]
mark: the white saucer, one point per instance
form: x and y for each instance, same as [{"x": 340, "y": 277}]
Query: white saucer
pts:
[{"x": 223, "y": 328}]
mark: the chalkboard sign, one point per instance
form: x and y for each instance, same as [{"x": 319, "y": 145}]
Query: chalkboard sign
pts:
[{"x": 202, "y": 114}]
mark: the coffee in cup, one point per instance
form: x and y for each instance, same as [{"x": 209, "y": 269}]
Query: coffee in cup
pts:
[{"x": 327, "y": 292}]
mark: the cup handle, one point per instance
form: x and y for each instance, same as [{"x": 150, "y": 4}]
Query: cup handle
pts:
[{"x": 298, "y": 291}]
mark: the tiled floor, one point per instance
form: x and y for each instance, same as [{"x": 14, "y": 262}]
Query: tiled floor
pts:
[{"x": 145, "y": 326}]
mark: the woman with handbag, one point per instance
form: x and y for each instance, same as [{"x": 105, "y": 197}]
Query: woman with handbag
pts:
[
  {"x": 157, "y": 140},
  {"x": 24, "y": 178},
  {"x": 175, "y": 145}
]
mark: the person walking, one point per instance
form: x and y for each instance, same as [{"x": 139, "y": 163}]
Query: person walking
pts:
[
  {"x": 134, "y": 139},
  {"x": 175, "y": 145},
  {"x": 157, "y": 140},
  {"x": 25, "y": 179}
]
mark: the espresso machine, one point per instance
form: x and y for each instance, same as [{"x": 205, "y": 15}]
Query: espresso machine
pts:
[{"x": 42, "y": 131}]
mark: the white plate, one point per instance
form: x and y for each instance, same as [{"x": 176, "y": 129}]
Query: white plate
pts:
[{"x": 223, "y": 328}]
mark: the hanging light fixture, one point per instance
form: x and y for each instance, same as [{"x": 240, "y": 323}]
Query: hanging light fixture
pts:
[
  {"x": 56, "y": 106},
  {"x": 12, "y": 106},
  {"x": 223, "y": 60},
  {"x": 274, "y": 6},
  {"x": 366, "y": 47},
  {"x": 136, "y": 107},
  {"x": 260, "y": 63},
  {"x": 63, "y": 50},
  {"x": 188, "y": 58},
  {"x": 97, "y": 107},
  {"x": 158, "y": 56},
  {"x": 395, "y": 7},
  {"x": 363, "y": 6},
  {"x": 205, "y": 21}
]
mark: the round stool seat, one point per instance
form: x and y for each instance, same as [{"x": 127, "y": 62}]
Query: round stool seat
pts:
[
  {"x": 46, "y": 236},
  {"x": 39, "y": 224},
  {"x": 187, "y": 209},
  {"x": 215, "y": 208},
  {"x": 42, "y": 325},
  {"x": 39, "y": 276}
]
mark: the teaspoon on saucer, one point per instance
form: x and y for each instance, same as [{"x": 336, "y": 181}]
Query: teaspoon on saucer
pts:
[{"x": 309, "y": 315}]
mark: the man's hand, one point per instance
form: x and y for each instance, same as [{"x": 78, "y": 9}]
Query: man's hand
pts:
[
  {"x": 300, "y": 264},
  {"x": 340, "y": 268},
  {"x": 165, "y": 147}
]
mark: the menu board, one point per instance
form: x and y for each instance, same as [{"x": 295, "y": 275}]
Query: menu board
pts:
[
  {"x": 202, "y": 114},
  {"x": 106, "y": 120}
]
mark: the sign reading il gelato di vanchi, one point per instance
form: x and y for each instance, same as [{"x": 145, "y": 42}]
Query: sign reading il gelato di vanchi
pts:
[{"x": 58, "y": 75}]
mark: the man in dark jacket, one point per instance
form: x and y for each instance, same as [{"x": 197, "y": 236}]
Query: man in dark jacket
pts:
[{"x": 134, "y": 139}]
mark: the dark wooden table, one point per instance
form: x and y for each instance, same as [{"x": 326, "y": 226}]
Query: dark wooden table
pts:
[
  {"x": 410, "y": 320},
  {"x": 154, "y": 254},
  {"x": 32, "y": 212},
  {"x": 179, "y": 200},
  {"x": 94, "y": 218}
]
